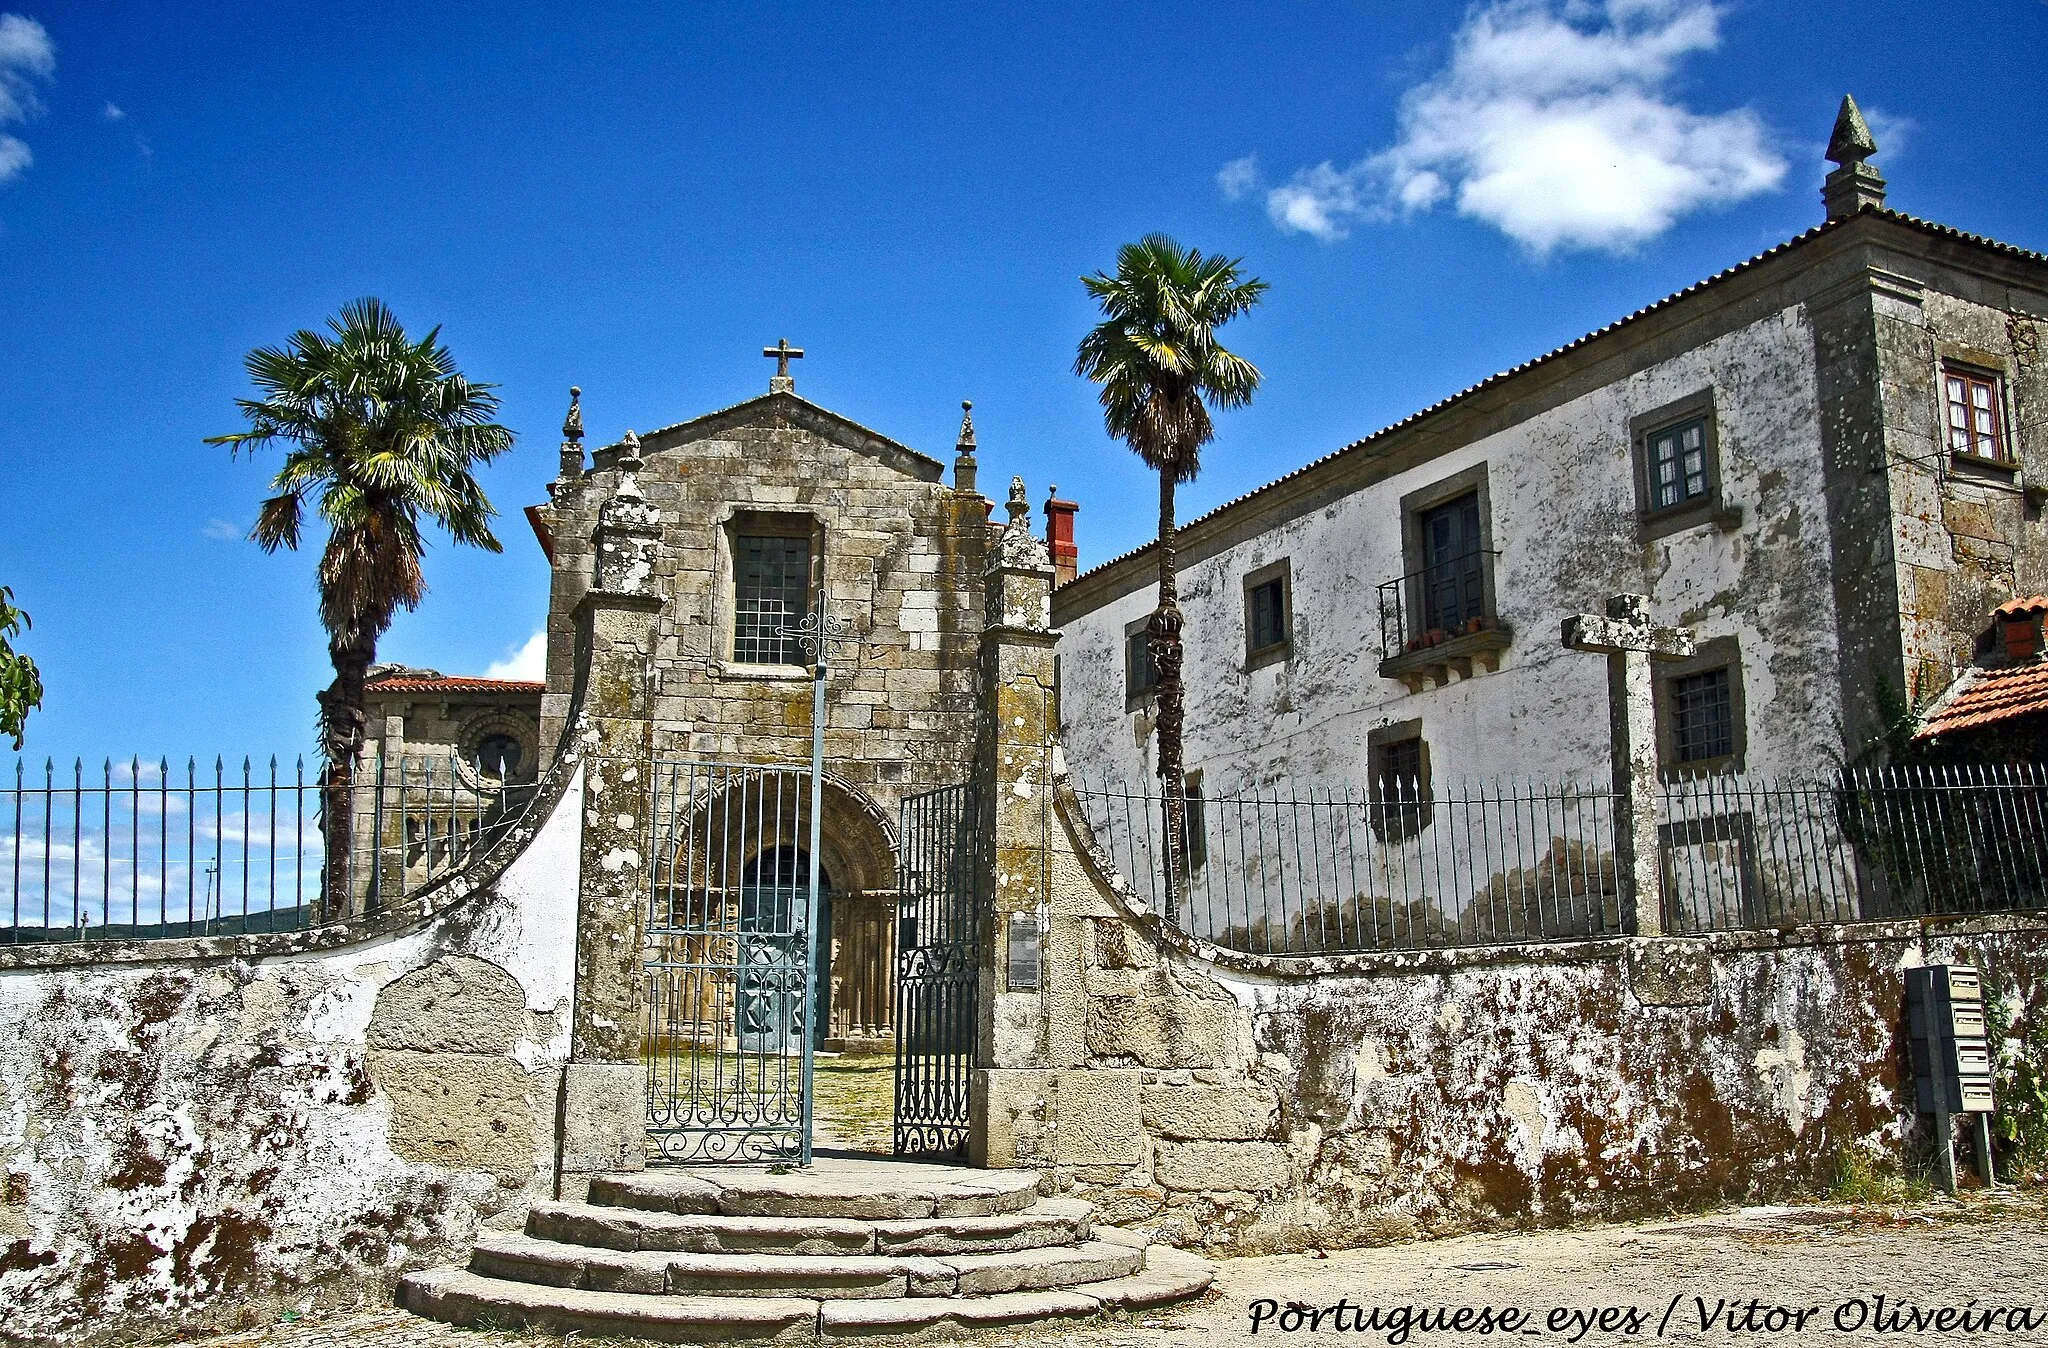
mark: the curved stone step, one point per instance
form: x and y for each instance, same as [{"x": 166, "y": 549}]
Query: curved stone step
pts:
[
  {"x": 856, "y": 1190},
  {"x": 1048, "y": 1222},
  {"x": 455, "y": 1296},
  {"x": 830, "y": 1277}
]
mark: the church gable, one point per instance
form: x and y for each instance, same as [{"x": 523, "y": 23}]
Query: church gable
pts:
[{"x": 786, "y": 412}]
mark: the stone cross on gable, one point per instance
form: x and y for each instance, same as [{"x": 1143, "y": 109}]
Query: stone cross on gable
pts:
[
  {"x": 782, "y": 353},
  {"x": 1630, "y": 640}
]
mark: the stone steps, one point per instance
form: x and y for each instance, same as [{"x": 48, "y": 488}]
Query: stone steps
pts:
[
  {"x": 458, "y": 1297},
  {"x": 1049, "y": 1221},
  {"x": 843, "y": 1250},
  {"x": 756, "y": 1274}
]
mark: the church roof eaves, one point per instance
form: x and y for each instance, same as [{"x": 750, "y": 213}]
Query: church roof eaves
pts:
[
  {"x": 825, "y": 412},
  {"x": 1367, "y": 442}
]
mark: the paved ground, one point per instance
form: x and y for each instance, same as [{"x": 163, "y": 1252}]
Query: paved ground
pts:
[{"x": 1973, "y": 1254}]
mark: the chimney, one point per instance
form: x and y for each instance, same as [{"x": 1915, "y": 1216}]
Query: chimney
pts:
[
  {"x": 1855, "y": 185},
  {"x": 1059, "y": 537},
  {"x": 2019, "y": 629}
]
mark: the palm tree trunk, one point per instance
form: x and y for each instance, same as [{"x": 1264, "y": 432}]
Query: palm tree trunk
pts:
[
  {"x": 341, "y": 731},
  {"x": 1162, "y": 640}
]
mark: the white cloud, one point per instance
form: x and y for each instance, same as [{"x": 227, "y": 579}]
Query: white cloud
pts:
[
  {"x": 1238, "y": 177},
  {"x": 26, "y": 57},
  {"x": 223, "y": 530},
  {"x": 114, "y": 113},
  {"x": 1554, "y": 123},
  {"x": 530, "y": 661}
]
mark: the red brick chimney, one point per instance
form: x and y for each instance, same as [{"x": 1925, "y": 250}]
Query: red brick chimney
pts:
[
  {"x": 2019, "y": 628},
  {"x": 1059, "y": 537}
]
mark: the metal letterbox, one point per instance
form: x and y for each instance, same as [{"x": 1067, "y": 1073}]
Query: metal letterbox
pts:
[{"x": 1951, "y": 1057}]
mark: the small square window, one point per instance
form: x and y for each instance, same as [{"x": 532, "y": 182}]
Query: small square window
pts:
[
  {"x": 1971, "y": 403},
  {"x": 1196, "y": 828},
  {"x": 1397, "y": 769},
  {"x": 1141, "y": 676},
  {"x": 1703, "y": 716},
  {"x": 1678, "y": 464},
  {"x": 1700, "y": 711},
  {"x": 1268, "y": 615}
]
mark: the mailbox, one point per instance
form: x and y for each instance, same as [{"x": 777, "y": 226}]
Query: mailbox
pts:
[{"x": 1951, "y": 1057}]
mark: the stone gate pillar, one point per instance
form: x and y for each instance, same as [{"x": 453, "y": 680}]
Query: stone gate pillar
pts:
[
  {"x": 603, "y": 1122},
  {"x": 1013, "y": 776}
]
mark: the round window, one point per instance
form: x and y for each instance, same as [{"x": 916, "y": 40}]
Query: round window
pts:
[{"x": 498, "y": 756}]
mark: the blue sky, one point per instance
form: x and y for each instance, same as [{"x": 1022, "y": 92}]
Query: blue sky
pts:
[{"x": 637, "y": 198}]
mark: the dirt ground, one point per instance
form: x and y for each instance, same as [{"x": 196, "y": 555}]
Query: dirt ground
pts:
[{"x": 1653, "y": 1280}]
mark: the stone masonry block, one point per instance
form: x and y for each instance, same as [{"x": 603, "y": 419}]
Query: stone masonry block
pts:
[
  {"x": 457, "y": 1004},
  {"x": 1009, "y": 1110},
  {"x": 460, "y": 1110},
  {"x": 1099, "y": 1119},
  {"x": 1212, "y": 1113},
  {"x": 1229, "y": 1167},
  {"x": 604, "y": 1117}
]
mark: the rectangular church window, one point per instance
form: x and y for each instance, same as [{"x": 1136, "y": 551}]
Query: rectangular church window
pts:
[
  {"x": 1141, "y": 676},
  {"x": 771, "y": 592}
]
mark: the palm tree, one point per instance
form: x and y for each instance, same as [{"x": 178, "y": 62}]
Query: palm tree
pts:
[
  {"x": 383, "y": 431},
  {"x": 1161, "y": 369}
]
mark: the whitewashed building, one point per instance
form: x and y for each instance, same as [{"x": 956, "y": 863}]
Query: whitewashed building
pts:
[{"x": 1829, "y": 460}]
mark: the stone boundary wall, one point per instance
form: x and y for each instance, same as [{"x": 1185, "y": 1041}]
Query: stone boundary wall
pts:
[
  {"x": 194, "y": 1129},
  {"x": 1253, "y": 1104}
]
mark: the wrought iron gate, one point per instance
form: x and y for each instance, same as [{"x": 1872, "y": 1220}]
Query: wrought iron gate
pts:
[
  {"x": 730, "y": 963},
  {"x": 936, "y": 976}
]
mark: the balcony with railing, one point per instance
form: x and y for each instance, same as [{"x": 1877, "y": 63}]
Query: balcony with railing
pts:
[{"x": 1441, "y": 621}]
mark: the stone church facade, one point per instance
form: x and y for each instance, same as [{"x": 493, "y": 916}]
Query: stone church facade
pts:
[
  {"x": 761, "y": 508},
  {"x": 1827, "y": 460}
]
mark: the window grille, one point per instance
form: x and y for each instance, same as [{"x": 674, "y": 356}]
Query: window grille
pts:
[
  {"x": 771, "y": 590},
  {"x": 1704, "y": 712},
  {"x": 1678, "y": 464},
  {"x": 1973, "y": 426}
]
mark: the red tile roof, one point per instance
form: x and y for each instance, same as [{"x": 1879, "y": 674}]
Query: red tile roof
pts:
[
  {"x": 1990, "y": 696},
  {"x": 2013, "y": 608},
  {"x": 452, "y": 683}
]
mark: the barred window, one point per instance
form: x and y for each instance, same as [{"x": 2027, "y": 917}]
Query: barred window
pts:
[
  {"x": 1678, "y": 464},
  {"x": 1973, "y": 421},
  {"x": 1703, "y": 712},
  {"x": 771, "y": 590}
]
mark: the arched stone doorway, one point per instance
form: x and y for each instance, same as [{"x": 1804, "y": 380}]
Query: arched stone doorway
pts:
[{"x": 857, "y": 921}]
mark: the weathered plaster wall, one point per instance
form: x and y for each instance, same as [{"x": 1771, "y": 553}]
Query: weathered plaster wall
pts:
[
  {"x": 1564, "y": 517},
  {"x": 192, "y": 1128},
  {"x": 1252, "y": 1104}
]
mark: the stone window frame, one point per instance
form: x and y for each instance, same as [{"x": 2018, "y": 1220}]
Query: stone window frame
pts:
[
  {"x": 1710, "y": 654},
  {"x": 1974, "y": 363},
  {"x": 1256, "y": 657},
  {"x": 1414, "y": 550},
  {"x": 1196, "y": 841},
  {"x": 1135, "y": 695},
  {"x": 731, "y": 522},
  {"x": 1712, "y": 508},
  {"x": 1386, "y": 824}
]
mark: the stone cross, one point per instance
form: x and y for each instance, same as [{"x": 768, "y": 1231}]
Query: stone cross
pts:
[
  {"x": 782, "y": 353},
  {"x": 1630, "y": 640}
]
